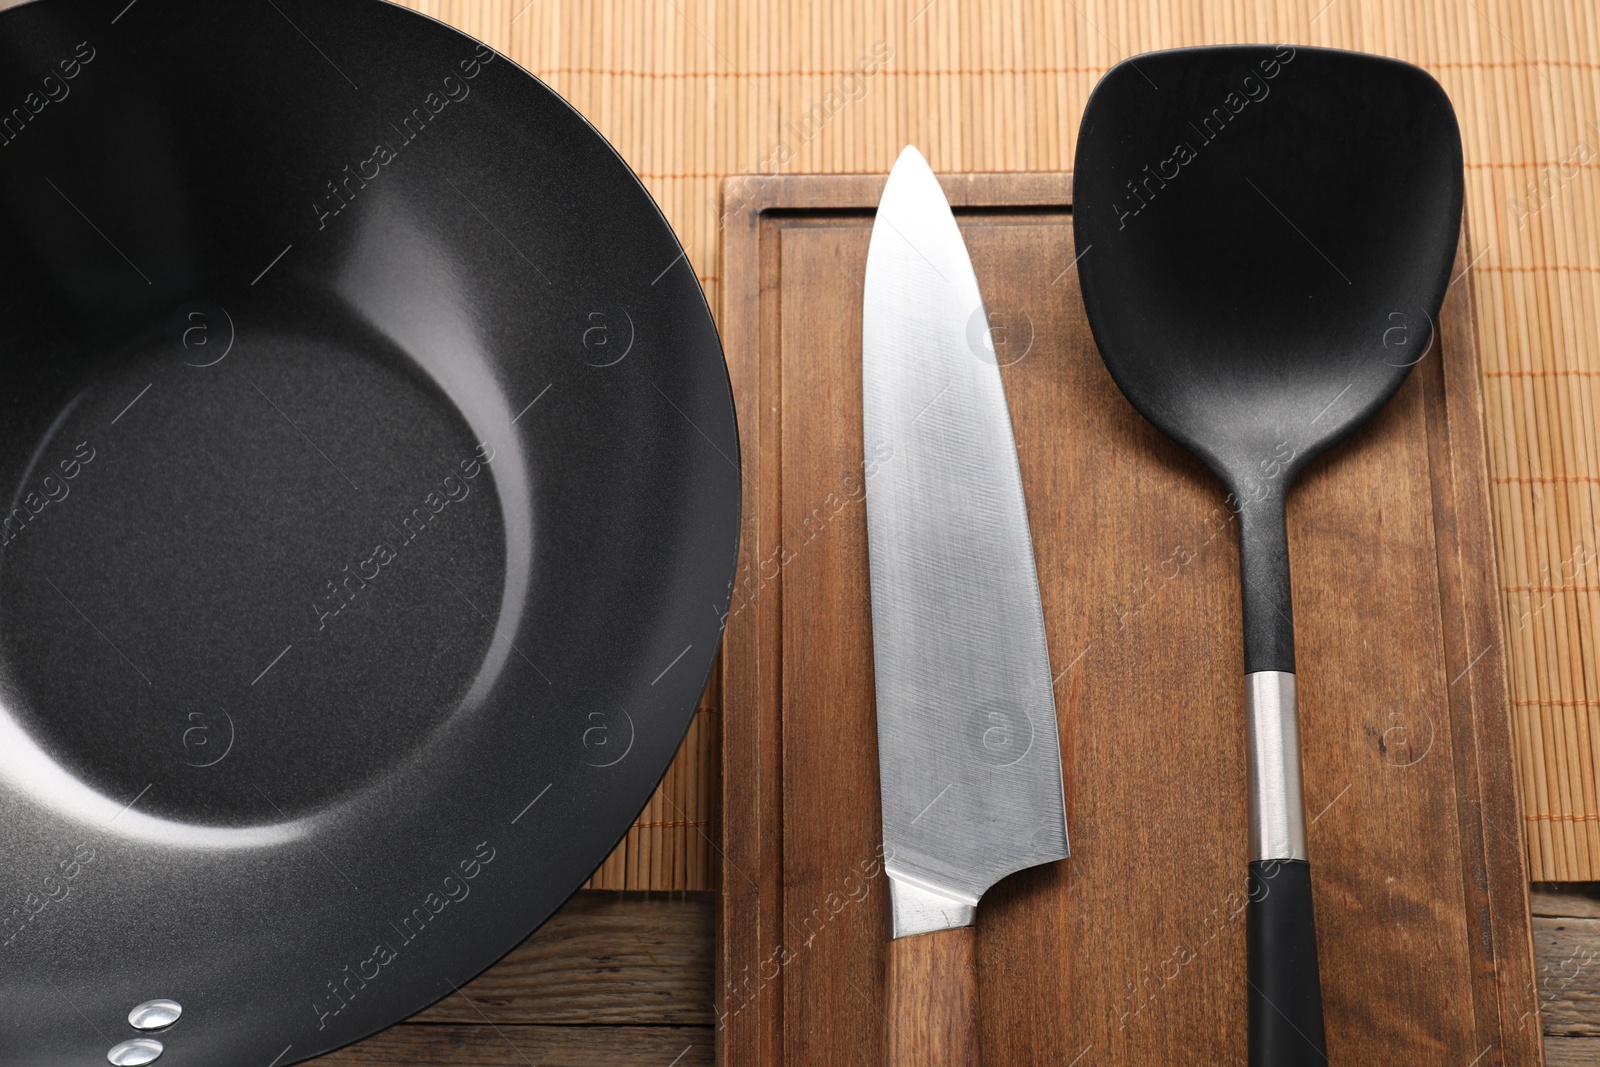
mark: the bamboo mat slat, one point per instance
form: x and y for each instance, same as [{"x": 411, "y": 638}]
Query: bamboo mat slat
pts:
[{"x": 690, "y": 91}]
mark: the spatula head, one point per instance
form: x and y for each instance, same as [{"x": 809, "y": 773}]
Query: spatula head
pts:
[{"x": 1266, "y": 236}]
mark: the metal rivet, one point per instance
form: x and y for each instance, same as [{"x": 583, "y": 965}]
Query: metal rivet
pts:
[
  {"x": 135, "y": 1053},
  {"x": 155, "y": 1014}
]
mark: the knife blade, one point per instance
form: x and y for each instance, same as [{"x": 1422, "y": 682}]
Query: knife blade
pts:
[{"x": 968, "y": 754}]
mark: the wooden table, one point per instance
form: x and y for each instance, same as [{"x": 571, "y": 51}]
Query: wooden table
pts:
[{"x": 625, "y": 980}]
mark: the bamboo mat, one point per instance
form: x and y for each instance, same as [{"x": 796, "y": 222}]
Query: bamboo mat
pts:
[{"x": 690, "y": 91}]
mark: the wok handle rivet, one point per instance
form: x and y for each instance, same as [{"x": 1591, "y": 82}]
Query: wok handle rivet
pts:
[
  {"x": 135, "y": 1053},
  {"x": 155, "y": 1014}
]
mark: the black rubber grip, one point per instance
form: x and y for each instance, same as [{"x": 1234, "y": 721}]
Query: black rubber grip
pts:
[{"x": 1285, "y": 989}]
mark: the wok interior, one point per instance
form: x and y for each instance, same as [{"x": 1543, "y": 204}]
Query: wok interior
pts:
[
  {"x": 295, "y": 324},
  {"x": 250, "y": 587},
  {"x": 249, "y": 570},
  {"x": 370, "y": 476}
]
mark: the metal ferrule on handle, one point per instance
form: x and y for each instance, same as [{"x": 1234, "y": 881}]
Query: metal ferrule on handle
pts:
[
  {"x": 1285, "y": 998},
  {"x": 1277, "y": 799}
]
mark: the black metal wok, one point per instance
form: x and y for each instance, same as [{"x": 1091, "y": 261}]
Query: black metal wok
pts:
[{"x": 371, "y": 498}]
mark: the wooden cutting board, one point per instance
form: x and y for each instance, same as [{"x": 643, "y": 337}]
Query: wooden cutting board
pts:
[{"x": 1132, "y": 952}]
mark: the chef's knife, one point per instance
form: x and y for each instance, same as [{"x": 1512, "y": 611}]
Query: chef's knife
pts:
[{"x": 968, "y": 759}]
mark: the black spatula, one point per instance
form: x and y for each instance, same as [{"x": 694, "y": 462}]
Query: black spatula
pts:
[{"x": 1266, "y": 235}]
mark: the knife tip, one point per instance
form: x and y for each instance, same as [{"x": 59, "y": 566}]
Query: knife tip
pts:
[
  {"x": 910, "y": 160},
  {"x": 915, "y": 178},
  {"x": 910, "y": 153}
]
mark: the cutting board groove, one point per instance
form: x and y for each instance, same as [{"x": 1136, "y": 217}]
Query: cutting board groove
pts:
[{"x": 1132, "y": 952}]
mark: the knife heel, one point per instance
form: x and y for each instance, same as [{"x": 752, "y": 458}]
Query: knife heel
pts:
[
  {"x": 1285, "y": 988},
  {"x": 931, "y": 1002}
]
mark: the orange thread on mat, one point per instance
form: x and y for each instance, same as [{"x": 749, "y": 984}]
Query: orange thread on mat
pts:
[
  {"x": 1553, "y": 479},
  {"x": 1539, "y": 268},
  {"x": 1558, "y": 372},
  {"x": 1586, "y": 817},
  {"x": 959, "y": 72},
  {"x": 1557, "y": 703}
]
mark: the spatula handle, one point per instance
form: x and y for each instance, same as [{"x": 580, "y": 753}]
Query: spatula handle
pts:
[
  {"x": 932, "y": 1000},
  {"x": 1285, "y": 993},
  {"x": 1285, "y": 990}
]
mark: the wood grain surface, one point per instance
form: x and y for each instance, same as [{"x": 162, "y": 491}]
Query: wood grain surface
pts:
[
  {"x": 612, "y": 980},
  {"x": 931, "y": 1000},
  {"x": 557, "y": 986},
  {"x": 604, "y": 958},
  {"x": 1134, "y": 948},
  {"x": 528, "y": 1046}
]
